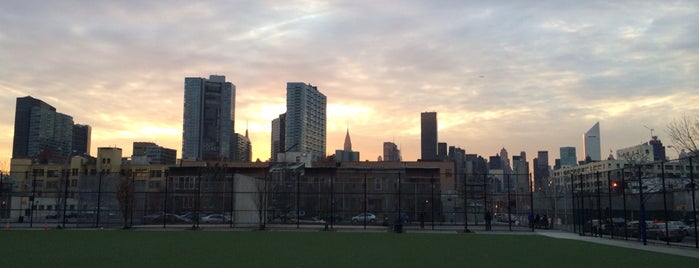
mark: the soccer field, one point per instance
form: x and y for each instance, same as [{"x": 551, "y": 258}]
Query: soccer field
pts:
[{"x": 117, "y": 248}]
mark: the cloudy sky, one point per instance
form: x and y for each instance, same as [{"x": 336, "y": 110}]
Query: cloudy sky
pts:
[{"x": 526, "y": 76}]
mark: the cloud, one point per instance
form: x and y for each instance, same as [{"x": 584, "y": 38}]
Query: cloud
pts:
[{"x": 530, "y": 76}]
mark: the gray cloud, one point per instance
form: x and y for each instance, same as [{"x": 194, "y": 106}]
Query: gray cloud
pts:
[{"x": 507, "y": 72}]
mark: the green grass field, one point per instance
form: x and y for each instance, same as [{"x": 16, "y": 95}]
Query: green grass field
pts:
[{"x": 117, "y": 248}]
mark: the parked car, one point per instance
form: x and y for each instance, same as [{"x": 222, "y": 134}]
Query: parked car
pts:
[
  {"x": 213, "y": 218},
  {"x": 680, "y": 225},
  {"x": 659, "y": 232},
  {"x": 364, "y": 217},
  {"x": 52, "y": 215},
  {"x": 164, "y": 218}
]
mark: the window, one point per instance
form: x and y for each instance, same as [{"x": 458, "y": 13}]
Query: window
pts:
[
  {"x": 74, "y": 172},
  {"x": 38, "y": 172},
  {"x": 156, "y": 173},
  {"x": 73, "y": 183},
  {"x": 377, "y": 183},
  {"x": 52, "y": 173}
]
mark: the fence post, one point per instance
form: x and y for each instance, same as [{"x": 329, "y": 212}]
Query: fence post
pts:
[
  {"x": 642, "y": 206},
  {"x": 572, "y": 203},
  {"x": 432, "y": 201},
  {"x": 65, "y": 196},
  {"x": 465, "y": 194},
  {"x": 599, "y": 205},
  {"x": 531, "y": 201},
  {"x": 99, "y": 198},
  {"x": 583, "y": 213},
  {"x": 694, "y": 202},
  {"x": 623, "y": 197},
  {"x": 611, "y": 208},
  {"x": 662, "y": 170}
]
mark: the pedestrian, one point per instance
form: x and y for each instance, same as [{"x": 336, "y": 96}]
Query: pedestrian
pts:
[
  {"x": 537, "y": 218},
  {"x": 488, "y": 219},
  {"x": 545, "y": 222}
]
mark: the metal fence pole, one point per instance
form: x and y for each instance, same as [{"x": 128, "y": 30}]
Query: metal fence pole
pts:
[
  {"x": 432, "y": 201},
  {"x": 232, "y": 193},
  {"x": 583, "y": 213},
  {"x": 662, "y": 170},
  {"x": 531, "y": 201},
  {"x": 611, "y": 209},
  {"x": 465, "y": 194},
  {"x": 642, "y": 222},
  {"x": 298, "y": 199},
  {"x": 365, "y": 200},
  {"x": 99, "y": 198},
  {"x": 509, "y": 212},
  {"x": 623, "y": 197},
  {"x": 65, "y": 197},
  {"x": 694, "y": 202},
  {"x": 573, "y": 201},
  {"x": 599, "y": 205},
  {"x": 31, "y": 205}
]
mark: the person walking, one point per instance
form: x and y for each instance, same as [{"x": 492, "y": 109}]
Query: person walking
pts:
[{"x": 488, "y": 220}]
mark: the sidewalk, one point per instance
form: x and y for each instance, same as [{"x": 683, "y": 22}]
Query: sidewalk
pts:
[{"x": 675, "y": 250}]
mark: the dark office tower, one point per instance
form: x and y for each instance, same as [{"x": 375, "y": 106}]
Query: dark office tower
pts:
[
  {"x": 278, "y": 136},
  {"x": 541, "y": 170},
  {"x": 151, "y": 153},
  {"x": 391, "y": 153},
  {"x": 568, "y": 157},
  {"x": 305, "y": 119},
  {"x": 442, "y": 151},
  {"x": 41, "y": 131},
  {"x": 209, "y": 111},
  {"x": 428, "y": 135},
  {"x": 81, "y": 139}
]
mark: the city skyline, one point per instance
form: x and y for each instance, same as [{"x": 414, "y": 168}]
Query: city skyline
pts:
[{"x": 526, "y": 77}]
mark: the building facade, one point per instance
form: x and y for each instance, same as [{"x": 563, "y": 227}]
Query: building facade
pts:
[
  {"x": 82, "y": 138},
  {"x": 209, "y": 114},
  {"x": 278, "y": 137},
  {"x": 305, "y": 127},
  {"x": 568, "y": 157},
  {"x": 428, "y": 136},
  {"x": 591, "y": 144},
  {"x": 151, "y": 153},
  {"x": 41, "y": 132},
  {"x": 391, "y": 153}
]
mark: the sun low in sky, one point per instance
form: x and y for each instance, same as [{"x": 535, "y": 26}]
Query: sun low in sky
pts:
[{"x": 525, "y": 76}]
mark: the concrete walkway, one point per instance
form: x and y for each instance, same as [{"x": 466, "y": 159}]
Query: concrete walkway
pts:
[{"x": 675, "y": 250}]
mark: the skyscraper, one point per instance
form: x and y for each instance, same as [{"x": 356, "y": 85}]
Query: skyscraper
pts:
[
  {"x": 346, "y": 154},
  {"x": 81, "y": 139},
  {"x": 428, "y": 135},
  {"x": 39, "y": 129},
  {"x": 541, "y": 170},
  {"x": 568, "y": 157},
  {"x": 151, "y": 153},
  {"x": 305, "y": 119},
  {"x": 591, "y": 144},
  {"x": 209, "y": 114},
  {"x": 241, "y": 148},
  {"x": 391, "y": 152},
  {"x": 278, "y": 136}
]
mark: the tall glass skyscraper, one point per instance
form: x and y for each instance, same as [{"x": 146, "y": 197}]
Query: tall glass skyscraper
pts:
[
  {"x": 428, "y": 135},
  {"x": 305, "y": 128},
  {"x": 209, "y": 114},
  {"x": 591, "y": 144},
  {"x": 568, "y": 157},
  {"x": 39, "y": 129}
]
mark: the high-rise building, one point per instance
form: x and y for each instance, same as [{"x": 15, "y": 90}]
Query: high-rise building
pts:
[
  {"x": 278, "y": 136},
  {"x": 428, "y": 135},
  {"x": 391, "y": 152},
  {"x": 442, "y": 153},
  {"x": 568, "y": 157},
  {"x": 347, "y": 155},
  {"x": 305, "y": 119},
  {"x": 591, "y": 144},
  {"x": 505, "y": 161},
  {"x": 541, "y": 170},
  {"x": 151, "y": 153},
  {"x": 242, "y": 148},
  {"x": 81, "y": 139},
  {"x": 41, "y": 132},
  {"x": 209, "y": 114}
]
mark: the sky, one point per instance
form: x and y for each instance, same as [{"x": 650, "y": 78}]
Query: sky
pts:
[{"x": 521, "y": 75}]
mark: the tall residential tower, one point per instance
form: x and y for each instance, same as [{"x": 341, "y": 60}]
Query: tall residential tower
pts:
[
  {"x": 40, "y": 130},
  {"x": 209, "y": 114},
  {"x": 305, "y": 127}
]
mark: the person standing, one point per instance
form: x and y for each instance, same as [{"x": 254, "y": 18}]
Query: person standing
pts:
[{"x": 488, "y": 220}]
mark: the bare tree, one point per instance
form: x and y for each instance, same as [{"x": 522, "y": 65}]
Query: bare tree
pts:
[
  {"x": 684, "y": 133},
  {"x": 125, "y": 196},
  {"x": 261, "y": 201}
]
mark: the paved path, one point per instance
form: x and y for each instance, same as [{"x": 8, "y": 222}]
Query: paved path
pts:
[{"x": 675, "y": 250}]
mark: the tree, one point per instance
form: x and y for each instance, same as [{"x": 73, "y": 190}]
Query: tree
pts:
[
  {"x": 125, "y": 196},
  {"x": 684, "y": 133}
]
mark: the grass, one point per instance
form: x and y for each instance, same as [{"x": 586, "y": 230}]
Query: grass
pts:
[{"x": 117, "y": 248}]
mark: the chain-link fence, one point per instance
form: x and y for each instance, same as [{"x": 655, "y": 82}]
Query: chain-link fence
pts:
[{"x": 653, "y": 201}]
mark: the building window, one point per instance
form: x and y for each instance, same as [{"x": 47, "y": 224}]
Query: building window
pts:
[
  {"x": 377, "y": 184},
  {"x": 74, "y": 172},
  {"x": 73, "y": 183}
]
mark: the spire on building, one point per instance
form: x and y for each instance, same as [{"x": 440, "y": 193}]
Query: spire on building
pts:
[{"x": 348, "y": 142}]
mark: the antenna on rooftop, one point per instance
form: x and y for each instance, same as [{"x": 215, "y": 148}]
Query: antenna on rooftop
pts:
[{"x": 651, "y": 131}]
